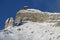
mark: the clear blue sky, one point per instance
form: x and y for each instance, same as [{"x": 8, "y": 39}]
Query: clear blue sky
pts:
[{"x": 8, "y": 8}]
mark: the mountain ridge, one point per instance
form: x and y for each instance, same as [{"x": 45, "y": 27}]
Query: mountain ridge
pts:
[{"x": 32, "y": 24}]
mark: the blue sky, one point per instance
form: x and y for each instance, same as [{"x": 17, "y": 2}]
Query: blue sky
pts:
[{"x": 9, "y": 8}]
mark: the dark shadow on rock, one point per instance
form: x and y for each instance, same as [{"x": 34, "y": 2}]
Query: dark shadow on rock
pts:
[{"x": 16, "y": 24}]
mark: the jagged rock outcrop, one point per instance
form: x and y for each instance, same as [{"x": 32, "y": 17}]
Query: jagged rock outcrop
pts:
[
  {"x": 37, "y": 15},
  {"x": 18, "y": 20},
  {"x": 6, "y": 23},
  {"x": 9, "y": 22},
  {"x": 32, "y": 15}
]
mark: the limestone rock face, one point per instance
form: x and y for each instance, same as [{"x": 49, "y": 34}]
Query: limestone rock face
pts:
[
  {"x": 32, "y": 15},
  {"x": 37, "y": 15},
  {"x": 9, "y": 22},
  {"x": 18, "y": 20}
]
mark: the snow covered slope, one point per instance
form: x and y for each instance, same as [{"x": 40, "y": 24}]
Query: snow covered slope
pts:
[{"x": 31, "y": 31}]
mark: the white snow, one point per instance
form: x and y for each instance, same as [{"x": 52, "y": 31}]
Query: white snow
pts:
[
  {"x": 32, "y": 31},
  {"x": 35, "y": 11},
  {"x": 30, "y": 11}
]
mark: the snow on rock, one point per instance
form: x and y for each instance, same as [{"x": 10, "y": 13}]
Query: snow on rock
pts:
[
  {"x": 34, "y": 25},
  {"x": 18, "y": 20},
  {"x": 9, "y": 22},
  {"x": 30, "y": 11},
  {"x": 6, "y": 23},
  {"x": 34, "y": 15},
  {"x": 31, "y": 31}
]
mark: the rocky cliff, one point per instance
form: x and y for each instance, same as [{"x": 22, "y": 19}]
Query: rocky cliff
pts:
[
  {"x": 34, "y": 15},
  {"x": 32, "y": 24}
]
